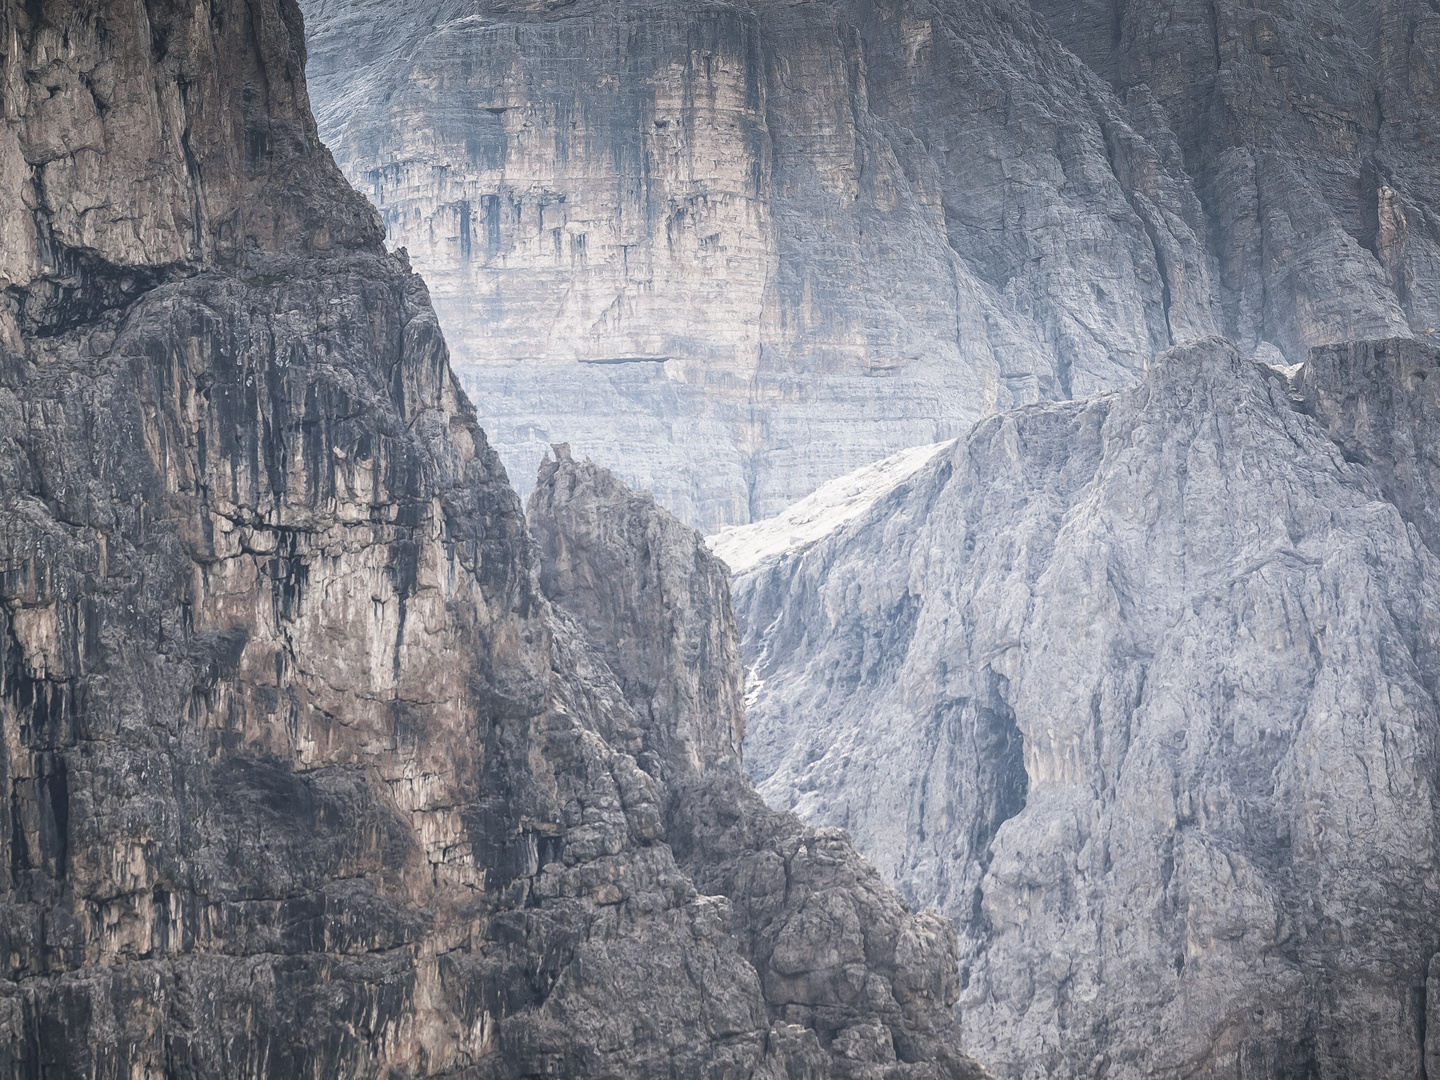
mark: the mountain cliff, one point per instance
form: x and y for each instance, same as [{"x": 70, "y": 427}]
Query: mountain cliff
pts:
[
  {"x": 734, "y": 250},
  {"x": 838, "y": 954},
  {"x": 1310, "y": 131},
  {"x": 1142, "y": 692},
  {"x": 303, "y": 774}
]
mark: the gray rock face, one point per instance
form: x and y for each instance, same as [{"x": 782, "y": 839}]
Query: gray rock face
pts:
[
  {"x": 1141, "y": 691},
  {"x": 303, "y": 774},
  {"x": 853, "y": 982},
  {"x": 648, "y": 594},
  {"x": 1380, "y": 401},
  {"x": 736, "y": 250},
  {"x": 1310, "y": 130}
]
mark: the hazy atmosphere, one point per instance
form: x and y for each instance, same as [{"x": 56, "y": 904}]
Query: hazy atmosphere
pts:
[{"x": 720, "y": 539}]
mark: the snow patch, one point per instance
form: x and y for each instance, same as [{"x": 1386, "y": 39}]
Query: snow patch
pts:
[{"x": 819, "y": 514}]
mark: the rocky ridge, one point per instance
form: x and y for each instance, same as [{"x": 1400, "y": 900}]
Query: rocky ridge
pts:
[
  {"x": 1141, "y": 692},
  {"x": 838, "y": 953},
  {"x": 304, "y": 775}
]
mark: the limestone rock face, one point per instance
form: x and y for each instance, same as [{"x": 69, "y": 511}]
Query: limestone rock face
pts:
[
  {"x": 1141, "y": 692},
  {"x": 859, "y": 985},
  {"x": 1310, "y": 130},
  {"x": 135, "y": 145},
  {"x": 647, "y": 593},
  {"x": 1381, "y": 402},
  {"x": 736, "y": 250},
  {"x": 303, "y": 774}
]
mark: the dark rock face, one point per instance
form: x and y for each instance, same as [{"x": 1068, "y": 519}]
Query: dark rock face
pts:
[
  {"x": 1211, "y": 635},
  {"x": 1381, "y": 402},
  {"x": 854, "y": 982},
  {"x": 300, "y": 773},
  {"x": 649, "y": 595}
]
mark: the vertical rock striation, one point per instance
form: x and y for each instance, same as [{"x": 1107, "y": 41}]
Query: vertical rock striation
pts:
[
  {"x": 1310, "y": 131},
  {"x": 1141, "y": 691},
  {"x": 736, "y": 250},
  {"x": 650, "y": 596},
  {"x": 302, "y": 775}
]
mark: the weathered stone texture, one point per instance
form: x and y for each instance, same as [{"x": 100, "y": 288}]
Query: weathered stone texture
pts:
[
  {"x": 853, "y": 226},
  {"x": 845, "y": 228},
  {"x": 1141, "y": 691},
  {"x": 302, "y": 775},
  {"x": 846, "y": 970},
  {"x": 1310, "y": 129},
  {"x": 139, "y": 140},
  {"x": 650, "y": 596}
]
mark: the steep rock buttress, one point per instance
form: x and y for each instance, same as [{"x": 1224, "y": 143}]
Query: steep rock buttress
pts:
[
  {"x": 842, "y": 961},
  {"x": 1141, "y": 691},
  {"x": 302, "y": 775}
]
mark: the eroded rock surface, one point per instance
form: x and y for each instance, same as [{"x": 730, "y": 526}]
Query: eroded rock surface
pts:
[
  {"x": 648, "y": 594},
  {"x": 1141, "y": 692},
  {"x": 1309, "y": 128},
  {"x": 302, "y": 774},
  {"x": 736, "y": 250},
  {"x": 845, "y": 968}
]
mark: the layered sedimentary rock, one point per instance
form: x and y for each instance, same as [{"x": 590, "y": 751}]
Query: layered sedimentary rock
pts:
[
  {"x": 736, "y": 250},
  {"x": 1141, "y": 691},
  {"x": 302, "y": 774},
  {"x": 1310, "y": 129}
]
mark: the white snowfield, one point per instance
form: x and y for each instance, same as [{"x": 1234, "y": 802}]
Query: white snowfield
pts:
[{"x": 820, "y": 513}]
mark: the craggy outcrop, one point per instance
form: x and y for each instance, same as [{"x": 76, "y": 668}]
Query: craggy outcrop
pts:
[
  {"x": 139, "y": 144},
  {"x": 1380, "y": 400},
  {"x": 1142, "y": 692},
  {"x": 844, "y": 966},
  {"x": 300, "y": 773},
  {"x": 649, "y": 595}
]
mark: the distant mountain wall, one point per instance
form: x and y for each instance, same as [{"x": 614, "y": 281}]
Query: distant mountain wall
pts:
[
  {"x": 734, "y": 250},
  {"x": 1142, "y": 692}
]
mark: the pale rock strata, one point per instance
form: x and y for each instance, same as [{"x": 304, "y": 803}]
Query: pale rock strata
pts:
[
  {"x": 735, "y": 250},
  {"x": 1141, "y": 691}
]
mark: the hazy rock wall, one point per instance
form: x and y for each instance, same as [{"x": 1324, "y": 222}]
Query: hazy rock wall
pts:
[
  {"x": 1310, "y": 131},
  {"x": 845, "y": 228},
  {"x": 1141, "y": 691}
]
